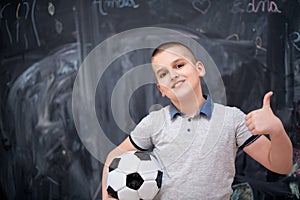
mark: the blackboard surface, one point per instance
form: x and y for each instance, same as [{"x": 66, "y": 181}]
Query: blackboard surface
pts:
[{"x": 254, "y": 43}]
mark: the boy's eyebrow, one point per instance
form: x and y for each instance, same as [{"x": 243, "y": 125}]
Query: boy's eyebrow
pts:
[
  {"x": 172, "y": 63},
  {"x": 179, "y": 59},
  {"x": 159, "y": 70}
]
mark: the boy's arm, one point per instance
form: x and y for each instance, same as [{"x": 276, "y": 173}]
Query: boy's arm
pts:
[
  {"x": 276, "y": 153},
  {"x": 126, "y": 145}
]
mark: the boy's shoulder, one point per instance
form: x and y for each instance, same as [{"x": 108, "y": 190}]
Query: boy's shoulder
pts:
[
  {"x": 233, "y": 110},
  {"x": 228, "y": 107},
  {"x": 160, "y": 113},
  {"x": 156, "y": 118}
]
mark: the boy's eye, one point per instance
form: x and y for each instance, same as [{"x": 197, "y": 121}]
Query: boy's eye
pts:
[
  {"x": 179, "y": 65},
  {"x": 163, "y": 74}
]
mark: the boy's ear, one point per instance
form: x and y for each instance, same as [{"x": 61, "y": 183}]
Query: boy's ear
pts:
[
  {"x": 200, "y": 68},
  {"x": 161, "y": 90}
]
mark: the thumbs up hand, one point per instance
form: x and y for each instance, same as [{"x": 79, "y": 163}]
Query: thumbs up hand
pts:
[{"x": 263, "y": 121}]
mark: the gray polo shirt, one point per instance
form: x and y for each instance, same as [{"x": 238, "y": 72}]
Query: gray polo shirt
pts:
[{"x": 197, "y": 153}]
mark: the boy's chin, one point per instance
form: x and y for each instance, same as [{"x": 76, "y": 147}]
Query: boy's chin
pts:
[{"x": 182, "y": 96}]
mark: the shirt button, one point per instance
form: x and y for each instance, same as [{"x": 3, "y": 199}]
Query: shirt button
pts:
[
  {"x": 189, "y": 119},
  {"x": 188, "y": 130}
]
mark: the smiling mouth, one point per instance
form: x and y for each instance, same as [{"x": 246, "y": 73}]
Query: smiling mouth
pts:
[{"x": 178, "y": 84}]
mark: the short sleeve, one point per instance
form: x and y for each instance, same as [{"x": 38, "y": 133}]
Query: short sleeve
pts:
[
  {"x": 242, "y": 132},
  {"x": 141, "y": 136}
]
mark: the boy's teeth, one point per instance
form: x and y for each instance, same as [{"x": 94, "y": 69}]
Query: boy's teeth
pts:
[{"x": 178, "y": 84}]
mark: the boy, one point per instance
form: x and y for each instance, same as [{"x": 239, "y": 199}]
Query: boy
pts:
[{"x": 195, "y": 139}]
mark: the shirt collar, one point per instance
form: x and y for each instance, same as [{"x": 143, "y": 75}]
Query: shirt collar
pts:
[{"x": 206, "y": 109}]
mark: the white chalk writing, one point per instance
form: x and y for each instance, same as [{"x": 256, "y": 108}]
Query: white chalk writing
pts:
[
  {"x": 253, "y": 6},
  {"x": 201, "y": 5},
  {"x": 14, "y": 24},
  {"x": 295, "y": 38},
  {"x": 105, "y": 5}
]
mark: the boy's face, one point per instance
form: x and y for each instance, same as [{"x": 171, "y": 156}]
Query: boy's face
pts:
[{"x": 177, "y": 73}]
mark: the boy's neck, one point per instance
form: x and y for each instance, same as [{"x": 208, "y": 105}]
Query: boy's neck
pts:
[{"x": 189, "y": 106}]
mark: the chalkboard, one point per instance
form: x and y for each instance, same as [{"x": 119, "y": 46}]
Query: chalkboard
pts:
[{"x": 255, "y": 45}]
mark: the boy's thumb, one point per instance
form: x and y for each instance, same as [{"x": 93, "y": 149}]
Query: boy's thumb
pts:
[{"x": 267, "y": 99}]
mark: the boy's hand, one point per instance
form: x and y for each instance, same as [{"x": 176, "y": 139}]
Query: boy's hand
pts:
[
  {"x": 108, "y": 197},
  {"x": 263, "y": 121}
]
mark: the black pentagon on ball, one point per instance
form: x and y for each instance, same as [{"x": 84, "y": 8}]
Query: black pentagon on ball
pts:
[
  {"x": 134, "y": 181},
  {"x": 159, "y": 179},
  {"x": 114, "y": 164},
  {"x": 112, "y": 192},
  {"x": 142, "y": 155}
]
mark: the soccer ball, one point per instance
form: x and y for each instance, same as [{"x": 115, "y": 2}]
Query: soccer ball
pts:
[{"x": 134, "y": 175}]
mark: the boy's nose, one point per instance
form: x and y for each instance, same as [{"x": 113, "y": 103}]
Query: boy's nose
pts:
[{"x": 173, "y": 74}]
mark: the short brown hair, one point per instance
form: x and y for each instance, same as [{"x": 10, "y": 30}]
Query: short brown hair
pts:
[{"x": 168, "y": 45}]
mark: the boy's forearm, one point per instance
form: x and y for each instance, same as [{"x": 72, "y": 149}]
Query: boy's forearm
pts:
[
  {"x": 281, "y": 152},
  {"x": 104, "y": 192}
]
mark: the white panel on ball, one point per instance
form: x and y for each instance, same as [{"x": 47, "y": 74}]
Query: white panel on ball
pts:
[
  {"x": 116, "y": 180},
  {"x": 129, "y": 163},
  {"x": 148, "y": 166},
  {"x": 148, "y": 190},
  {"x": 128, "y": 194},
  {"x": 149, "y": 175}
]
